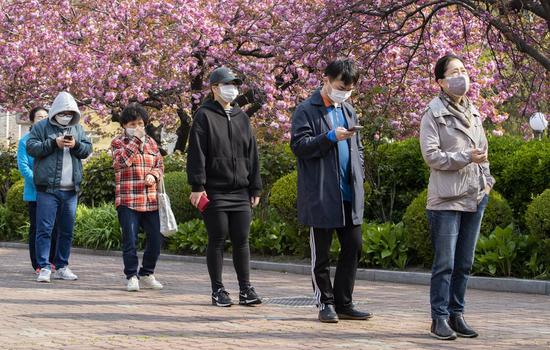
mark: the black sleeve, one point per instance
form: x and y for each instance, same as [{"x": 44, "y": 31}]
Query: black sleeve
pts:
[
  {"x": 303, "y": 142},
  {"x": 197, "y": 153},
  {"x": 254, "y": 178}
]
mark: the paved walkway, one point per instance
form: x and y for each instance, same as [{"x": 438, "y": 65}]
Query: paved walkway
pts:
[{"x": 96, "y": 312}]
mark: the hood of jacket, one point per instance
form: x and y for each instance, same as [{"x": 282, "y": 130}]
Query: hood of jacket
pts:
[{"x": 64, "y": 102}]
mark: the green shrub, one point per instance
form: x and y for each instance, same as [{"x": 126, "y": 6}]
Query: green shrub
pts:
[
  {"x": 537, "y": 216},
  {"x": 396, "y": 173},
  {"x": 8, "y": 172},
  {"x": 525, "y": 175},
  {"x": 98, "y": 182},
  {"x": 497, "y": 254},
  {"x": 536, "y": 258},
  {"x": 190, "y": 238},
  {"x": 174, "y": 162},
  {"x": 5, "y": 230},
  {"x": 500, "y": 149},
  {"x": 276, "y": 160},
  {"x": 497, "y": 213},
  {"x": 284, "y": 194},
  {"x": 384, "y": 245},
  {"x": 97, "y": 228},
  {"x": 269, "y": 235},
  {"x": 18, "y": 218},
  {"x": 415, "y": 222},
  {"x": 179, "y": 190}
]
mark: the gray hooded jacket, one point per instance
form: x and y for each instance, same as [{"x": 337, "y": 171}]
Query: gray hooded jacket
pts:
[{"x": 55, "y": 168}]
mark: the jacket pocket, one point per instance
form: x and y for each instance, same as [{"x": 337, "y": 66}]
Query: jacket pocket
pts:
[{"x": 450, "y": 184}]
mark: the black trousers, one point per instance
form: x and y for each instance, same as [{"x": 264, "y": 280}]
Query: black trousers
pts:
[
  {"x": 32, "y": 236},
  {"x": 350, "y": 238},
  {"x": 220, "y": 224}
]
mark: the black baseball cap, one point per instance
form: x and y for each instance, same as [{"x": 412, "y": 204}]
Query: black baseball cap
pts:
[{"x": 224, "y": 75}]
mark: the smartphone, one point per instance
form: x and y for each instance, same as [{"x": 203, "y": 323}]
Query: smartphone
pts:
[
  {"x": 68, "y": 137},
  {"x": 356, "y": 128},
  {"x": 203, "y": 203}
]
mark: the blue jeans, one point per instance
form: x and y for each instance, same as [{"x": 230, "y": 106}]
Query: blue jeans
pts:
[
  {"x": 130, "y": 222},
  {"x": 454, "y": 236},
  {"x": 32, "y": 236},
  {"x": 60, "y": 205}
]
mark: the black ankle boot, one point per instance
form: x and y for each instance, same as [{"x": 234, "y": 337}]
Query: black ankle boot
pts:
[
  {"x": 459, "y": 325},
  {"x": 441, "y": 330}
]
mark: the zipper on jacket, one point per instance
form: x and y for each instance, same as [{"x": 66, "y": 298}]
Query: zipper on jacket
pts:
[{"x": 230, "y": 134}]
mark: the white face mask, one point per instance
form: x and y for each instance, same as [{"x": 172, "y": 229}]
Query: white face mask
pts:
[
  {"x": 130, "y": 132},
  {"x": 338, "y": 96},
  {"x": 229, "y": 92},
  {"x": 64, "y": 120}
]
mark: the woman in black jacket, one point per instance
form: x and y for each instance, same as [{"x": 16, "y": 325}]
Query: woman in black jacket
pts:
[{"x": 222, "y": 165}]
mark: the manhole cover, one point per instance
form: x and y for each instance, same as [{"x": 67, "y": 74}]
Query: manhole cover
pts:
[{"x": 291, "y": 301}]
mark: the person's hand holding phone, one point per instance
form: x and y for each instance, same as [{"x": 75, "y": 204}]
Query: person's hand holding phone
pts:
[
  {"x": 69, "y": 140},
  {"x": 479, "y": 155},
  {"x": 343, "y": 133}
]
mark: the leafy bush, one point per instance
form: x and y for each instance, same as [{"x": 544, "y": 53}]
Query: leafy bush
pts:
[
  {"x": 98, "y": 182},
  {"x": 276, "y": 160},
  {"x": 415, "y": 222},
  {"x": 179, "y": 190},
  {"x": 18, "y": 218},
  {"x": 384, "y": 245},
  {"x": 5, "y": 230},
  {"x": 269, "y": 235},
  {"x": 174, "y": 162},
  {"x": 537, "y": 216},
  {"x": 97, "y": 228},
  {"x": 497, "y": 213},
  {"x": 8, "y": 172},
  {"x": 497, "y": 254},
  {"x": 397, "y": 174},
  {"x": 525, "y": 175},
  {"x": 500, "y": 149},
  {"x": 190, "y": 238},
  {"x": 284, "y": 194}
]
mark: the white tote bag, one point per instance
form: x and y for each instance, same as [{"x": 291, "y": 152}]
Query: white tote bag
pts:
[{"x": 168, "y": 224}]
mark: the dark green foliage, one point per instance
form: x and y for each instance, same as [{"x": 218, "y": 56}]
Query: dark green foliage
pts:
[
  {"x": 97, "y": 228},
  {"x": 179, "y": 190},
  {"x": 384, "y": 245},
  {"x": 98, "y": 182},
  {"x": 174, "y": 162},
  {"x": 397, "y": 173},
  {"x": 276, "y": 160},
  {"x": 190, "y": 238},
  {"x": 8, "y": 172},
  {"x": 500, "y": 150},
  {"x": 537, "y": 216},
  {"x": 525, "y": 175}
]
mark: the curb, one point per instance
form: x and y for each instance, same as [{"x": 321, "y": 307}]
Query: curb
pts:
[{"x": 512, "y": 285}]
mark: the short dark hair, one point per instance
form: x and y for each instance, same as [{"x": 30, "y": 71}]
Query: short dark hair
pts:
[
  {"x": 133, "y": 111},
  {"x": 343, "y": 69},
  {"x": 442, "y": 63},
  {"x": 32, "y": 113}
]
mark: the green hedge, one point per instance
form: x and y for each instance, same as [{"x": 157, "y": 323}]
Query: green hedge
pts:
[
  {"x": 396, "y": 173},
  {"x": 98, "y": 182},
  {"x": 97, "y": 228},
  {"x": 179, "y": 190},
  {"x": 276, "y": 161},
  {"x": 18, "y": 219},
  {"x": 537, "y": 217},
  {"x": 525, "y": 175}
]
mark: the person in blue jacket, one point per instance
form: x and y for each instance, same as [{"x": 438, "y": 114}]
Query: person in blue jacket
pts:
[{"x": 25, "y": 165}]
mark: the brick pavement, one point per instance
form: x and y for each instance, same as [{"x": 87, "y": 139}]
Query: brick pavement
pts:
[{"x": 96, "y": 312}]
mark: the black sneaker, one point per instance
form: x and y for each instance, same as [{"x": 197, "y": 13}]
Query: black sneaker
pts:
[
  {"x": 249, "y": 296},
  {"x": 221, "y": 298}
]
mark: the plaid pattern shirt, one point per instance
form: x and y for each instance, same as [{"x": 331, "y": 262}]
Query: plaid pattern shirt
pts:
[{"x": 133, "y": 160}]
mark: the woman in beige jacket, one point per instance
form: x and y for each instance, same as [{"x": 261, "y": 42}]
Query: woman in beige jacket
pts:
[{"x": 454, "y": 146}]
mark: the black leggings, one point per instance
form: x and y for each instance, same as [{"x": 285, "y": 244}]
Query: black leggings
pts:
[{"x": 219, "y": 224}]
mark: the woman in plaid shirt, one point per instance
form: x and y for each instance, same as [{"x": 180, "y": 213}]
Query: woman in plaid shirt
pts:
[{"x": 139, "y": 168}]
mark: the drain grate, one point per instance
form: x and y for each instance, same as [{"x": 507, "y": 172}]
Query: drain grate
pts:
[{"x": 299, "y": 301}]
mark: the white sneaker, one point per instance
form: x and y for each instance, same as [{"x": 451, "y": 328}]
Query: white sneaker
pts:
[
  {"x": 44, "y": 276},
  {"x": 65, "y": 273},
  {"x": 133, "y": 284},
  {"x": 150, "y": 282}
]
